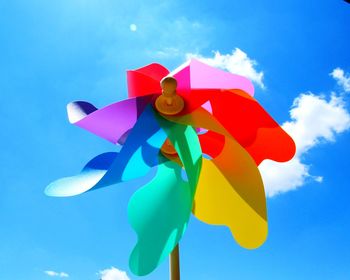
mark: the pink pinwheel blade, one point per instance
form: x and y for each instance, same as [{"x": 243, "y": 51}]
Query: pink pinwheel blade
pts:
[{"x": 197, "y": 75}]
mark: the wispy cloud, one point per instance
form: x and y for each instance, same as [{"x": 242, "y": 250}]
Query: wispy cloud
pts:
[
  {"x": 56, "y": 274},
  {"x": 113, "y": 274},
  {"x": 168, "y": 52},
  {"x": 177, "y": 38},
  {"x": 342, "y": 79},
  {"x": 237, "y": 62},
  {"x": 315, "y": 119}
]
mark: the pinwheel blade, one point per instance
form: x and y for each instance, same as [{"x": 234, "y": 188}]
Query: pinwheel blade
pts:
[
  {"x": 92, "y": 173},
  {"x": 136, "y": 159},
  {"x": 186, "y": 142},
  {"x": 230, "y": 192},
  {"x": 111, "y": 122},
  {"x": 145, "y": 80},
  {"x": 198, "y": 75},
  {"x": 159, "y": 213},
  {"x": 238, "y": 115},
  {"x": 252, "y": 127}
]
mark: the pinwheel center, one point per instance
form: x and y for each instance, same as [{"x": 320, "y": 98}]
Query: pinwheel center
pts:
[{"x": 169, "y": 103}]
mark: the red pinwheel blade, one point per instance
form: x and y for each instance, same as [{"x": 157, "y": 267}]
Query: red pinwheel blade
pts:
[
  {"x": 146, "y": 80},
  {"x": 245, "y": 120}
]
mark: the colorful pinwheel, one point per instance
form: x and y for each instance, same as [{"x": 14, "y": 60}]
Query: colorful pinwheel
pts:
[{"x": 200, "y": 138}]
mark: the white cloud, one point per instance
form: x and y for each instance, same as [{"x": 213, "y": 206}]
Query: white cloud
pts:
[
  {"x": 314, "y": 120},
  {"x": 342, "y": 79},
  {"x": 56, "y": 274},
  {"x": 113, "y": 274},
  {"x": 133, "y": 27},
  {"x": 237, "y": 62}
]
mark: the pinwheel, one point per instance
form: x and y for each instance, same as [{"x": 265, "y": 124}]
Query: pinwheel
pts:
[{"x": 197, "y": 135}]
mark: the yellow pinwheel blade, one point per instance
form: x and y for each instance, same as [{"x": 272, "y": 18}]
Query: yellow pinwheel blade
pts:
[{"x": 230, "y": 192}]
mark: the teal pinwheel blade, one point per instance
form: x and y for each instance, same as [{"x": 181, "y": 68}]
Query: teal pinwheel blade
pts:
[{"x": 159, "y": 213}]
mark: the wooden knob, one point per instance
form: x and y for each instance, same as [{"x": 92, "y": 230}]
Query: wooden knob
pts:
[
  {"x": 169, "y": 103},
  {"x": 168, "y": 85}
]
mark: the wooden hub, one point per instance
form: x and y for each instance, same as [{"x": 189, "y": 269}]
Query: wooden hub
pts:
[
  {"x": 169, "y": 103},
  {"x": 168, "y": 148}
]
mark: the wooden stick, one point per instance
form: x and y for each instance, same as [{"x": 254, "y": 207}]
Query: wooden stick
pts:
[{"x": 175, "y": 264}]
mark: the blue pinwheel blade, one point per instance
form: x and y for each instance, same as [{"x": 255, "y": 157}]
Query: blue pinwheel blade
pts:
[
  {"x": 137, "y": 158},
  {"x": 139, "y": 153},
  {"x": 91, "y": 174}
]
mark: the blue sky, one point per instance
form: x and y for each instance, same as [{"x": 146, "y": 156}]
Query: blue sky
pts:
[{"x": 53, "y": 52}]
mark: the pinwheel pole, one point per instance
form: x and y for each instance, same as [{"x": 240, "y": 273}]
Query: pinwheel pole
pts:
[
  {"x": 169, "y": 103},
  {"x": 175, "y": 264}
]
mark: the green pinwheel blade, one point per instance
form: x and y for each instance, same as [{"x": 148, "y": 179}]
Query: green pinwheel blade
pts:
[
  {"x": 185, "y": 140},
  {"x": 159, "y": 213}
]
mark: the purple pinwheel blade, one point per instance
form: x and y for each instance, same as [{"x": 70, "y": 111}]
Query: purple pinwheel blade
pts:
[{"x": 112, "y": 122}]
